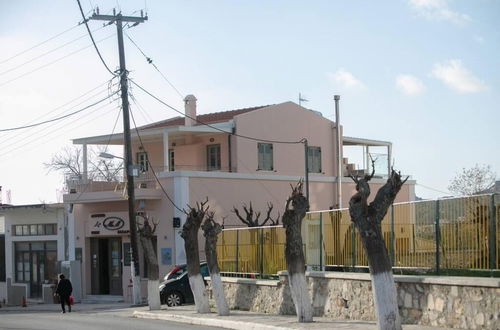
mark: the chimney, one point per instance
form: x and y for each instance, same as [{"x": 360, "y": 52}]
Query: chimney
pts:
[{"x": 190, "y": 110}]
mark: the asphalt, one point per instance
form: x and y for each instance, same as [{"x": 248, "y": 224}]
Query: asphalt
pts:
[{"x": 241, "y": 320}]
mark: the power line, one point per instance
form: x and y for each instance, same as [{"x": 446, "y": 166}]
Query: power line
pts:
[
  {"x": 50, "y": 63},
  {"x": 434, "y": 189},
  {"x": 46, "y": 53},
  {"x": 211, "y": 126},
  {"x": 61, "y": 106},
  {"x": 92, "y": 38},
  {"x": 150, "y": 61},
  {"x": 78, "y": 119},
  {"x": 39, "y": 44},
  {"x": 57, "y": 118}
]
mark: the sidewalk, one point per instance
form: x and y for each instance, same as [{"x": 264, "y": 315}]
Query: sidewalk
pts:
[{"x": 242, "y": 320}]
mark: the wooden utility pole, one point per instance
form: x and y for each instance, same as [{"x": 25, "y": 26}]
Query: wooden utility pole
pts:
[{"x": 119, "y": 19}]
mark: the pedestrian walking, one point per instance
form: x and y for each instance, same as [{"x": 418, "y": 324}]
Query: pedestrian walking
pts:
[{"x": 64, "y": 290}]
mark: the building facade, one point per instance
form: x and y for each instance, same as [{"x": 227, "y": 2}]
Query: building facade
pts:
[
  {"x": 230, "y": 158},
  {"x": 34, "y": 246}
]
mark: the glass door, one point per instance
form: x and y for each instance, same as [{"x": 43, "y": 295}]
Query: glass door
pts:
[{"x": 115, "y": 266}]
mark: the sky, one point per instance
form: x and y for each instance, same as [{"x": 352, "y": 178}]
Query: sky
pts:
[{"x": 423, "y": 74}]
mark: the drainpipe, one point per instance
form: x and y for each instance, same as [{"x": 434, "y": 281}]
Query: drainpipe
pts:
[{"x": 339, "y": 152}]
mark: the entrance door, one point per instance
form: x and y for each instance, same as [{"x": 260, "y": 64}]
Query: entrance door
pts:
[{"x": 106, "y": 272}]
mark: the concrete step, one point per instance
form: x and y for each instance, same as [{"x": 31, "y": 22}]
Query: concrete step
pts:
[{"x": 102, "y": 299}]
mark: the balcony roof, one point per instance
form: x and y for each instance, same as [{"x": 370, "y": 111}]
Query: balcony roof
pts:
[
  {"x": 354, "y": 141},
  {"x": 220, "y": 122}
]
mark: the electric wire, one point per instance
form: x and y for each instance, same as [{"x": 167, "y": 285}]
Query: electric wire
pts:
[
  {"x": 434, "y": 189},
  {"x": 112, "y": 131},
  {"x": 214, "y": 127},
  {"x": 93, "y": 41},
  {"x": 152, "y": 169},
  {"x": 46, "y": 53},
  {"x": 57, "y": 118},
  {"x": 52, "y": 62},
  {"x": 70, "y": 129},
  {"x": 55, "y": 109},
  {"x": 150, "y": 61},
  {"x": 39, "y": 44},
  {"x": 36, "y": 134}
]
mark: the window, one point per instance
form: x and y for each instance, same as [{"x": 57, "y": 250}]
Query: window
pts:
[
  {"x": 171, "y": 160},
  {"x": 142, "y": 161},
  {"x": 265, "y": 157},
  {"x": 35, "y": 230},
  {"x": 213, "y": 157},
  {"x": 314, "y": 159}
]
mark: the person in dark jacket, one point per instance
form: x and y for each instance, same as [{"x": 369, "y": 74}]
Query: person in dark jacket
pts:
[{"x": 64, "y": 290}]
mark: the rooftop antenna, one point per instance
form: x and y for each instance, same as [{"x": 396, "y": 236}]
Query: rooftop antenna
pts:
[{"x": 302, "y": 99}]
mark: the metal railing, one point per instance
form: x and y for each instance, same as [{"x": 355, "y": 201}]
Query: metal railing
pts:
[{"x": 454, "y": 234}]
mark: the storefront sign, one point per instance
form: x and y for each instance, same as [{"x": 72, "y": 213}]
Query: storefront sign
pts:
[{"x": 110, "y": 223}]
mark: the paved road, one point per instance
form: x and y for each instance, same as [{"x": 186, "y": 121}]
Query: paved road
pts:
[{"x": 86, "y": 320}]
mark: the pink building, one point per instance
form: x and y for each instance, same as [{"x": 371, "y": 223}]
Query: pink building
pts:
[{"x": 240, "y": 156}]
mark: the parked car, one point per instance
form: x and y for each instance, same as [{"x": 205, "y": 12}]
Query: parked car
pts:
[{"x": 175, "y": 290}]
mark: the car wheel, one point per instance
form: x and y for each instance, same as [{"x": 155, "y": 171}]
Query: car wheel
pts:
[{"x": 173, "y": 299}]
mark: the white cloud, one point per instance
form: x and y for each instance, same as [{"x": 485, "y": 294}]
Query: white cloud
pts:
[
  {"x": 409, "y": 85},
  {"x": 454, "y": 75},
  {"x": 438, "y": 10},
  {"x": 346, "y": 79}
]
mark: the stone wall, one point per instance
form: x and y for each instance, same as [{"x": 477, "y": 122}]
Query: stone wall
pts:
[{"x": 455, "y": 302}]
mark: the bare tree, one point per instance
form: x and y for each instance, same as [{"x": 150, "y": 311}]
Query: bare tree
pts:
[
  {"x": 252, "y": 218},
  {"x": 146, "y": 235},
  {"x": 195, "y": 217},
  {"x": 367, "y": 218},
  {"x": 295, "y": 211},
  {"x": 474, "y": 180},
  {"x": 210, "y": 230},
  {"x": 69, "y": 160}
]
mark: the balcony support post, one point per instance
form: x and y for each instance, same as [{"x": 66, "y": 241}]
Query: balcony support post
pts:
[
  {"x": 165, "y": 152},
  {"x": 85, "y": 164}
]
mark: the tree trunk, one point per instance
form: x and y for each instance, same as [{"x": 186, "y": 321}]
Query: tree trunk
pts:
[
  {"x": 210, "y": 230},
  {"x": 367, "y": 219},
  {"x": 294, "y": 254},
  {"x": 190, "y": 236},
  {"x": 153, "y": 273}
]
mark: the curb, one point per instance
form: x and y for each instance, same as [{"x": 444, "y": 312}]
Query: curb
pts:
[{"x": 210, "y": 322}]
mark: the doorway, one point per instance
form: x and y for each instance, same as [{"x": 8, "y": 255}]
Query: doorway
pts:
[{"x": 106, "y": 266}]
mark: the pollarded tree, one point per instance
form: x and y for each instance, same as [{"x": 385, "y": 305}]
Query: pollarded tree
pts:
[
  {"x": 252, "y": 218},
  {"x": 195, "y": 217},
  {"x": 295, "y": 211},
  {"x": 210, "y": 230},
  {"x": 367, "y": 218},
  {"x": 146, "y": 235}
]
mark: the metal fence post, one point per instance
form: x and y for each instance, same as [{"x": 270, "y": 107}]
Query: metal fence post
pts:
[
  {"x": 437, "y": 235},
  {"x": 321, "y": 241},
  {"x": 492, "y": 233},
  {"x": 391, "y": 236},
  {"x": 261, "y": 254},
  {"x": 353, "y": 246},
  {"x": 237, "y": 250}
]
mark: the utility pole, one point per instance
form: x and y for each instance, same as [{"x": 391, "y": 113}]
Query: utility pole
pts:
[{"x": 119, "y": 19}]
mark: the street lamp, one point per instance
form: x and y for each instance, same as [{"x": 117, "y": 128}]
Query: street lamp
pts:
[{"x": 109, "y": 156}]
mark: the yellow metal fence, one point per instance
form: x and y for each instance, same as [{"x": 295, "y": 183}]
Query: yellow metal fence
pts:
[{"x": 456, "y": 233}]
